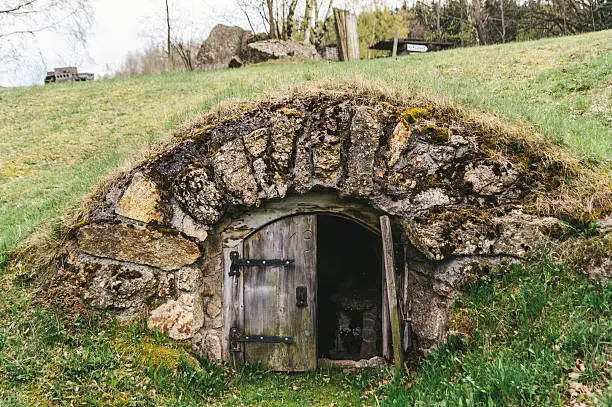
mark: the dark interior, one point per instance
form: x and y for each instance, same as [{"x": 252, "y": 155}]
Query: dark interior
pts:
[{"x": 349, "y": 290}]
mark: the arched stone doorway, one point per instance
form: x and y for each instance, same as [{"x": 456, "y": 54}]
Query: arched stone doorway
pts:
[
  {"x": 334, "y": 247},
  {"x": 305, "y": 287}
]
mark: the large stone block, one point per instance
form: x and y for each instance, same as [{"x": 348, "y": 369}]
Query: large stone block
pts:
[
  {"x": 208, "y": 342},
  {"x": 233, "y": 170},
  {"x": 256, "y": 142},
  {"x": 199, "y": 195},
  {"x": 261, "y": 51},
  {"x": 365, "y": 135},
  {"x": 398, "y": 142},
  {"x": 186, "y": 224},
  {"x": 141, "y": 200},
  {"x": 283, "y": 130},
  {"x": 429, "y": 313},
  {"x": 187, "y": 278},
  {"x": 223, "y": 43},
  {"x": 490, "y": 179},
  {"x": 513, "y": 234},
  {"x": 172, "y": 318},
  {"x": 118, "y": 286},
  {"x": 137, "y": 245},
  {"x": 302, "y": 172}
]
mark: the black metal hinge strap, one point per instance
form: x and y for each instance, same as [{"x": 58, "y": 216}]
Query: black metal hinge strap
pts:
[
  {"x": 237, "y": 336},
  {"x": 237, "y": 262}
]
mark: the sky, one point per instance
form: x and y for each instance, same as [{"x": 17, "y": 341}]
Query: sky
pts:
[
  {"x": 119, "y": 27},
  {"x": 123, "y": 26}
]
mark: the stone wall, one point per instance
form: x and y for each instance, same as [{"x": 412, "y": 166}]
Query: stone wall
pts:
[{"x": 456, "y": 192}]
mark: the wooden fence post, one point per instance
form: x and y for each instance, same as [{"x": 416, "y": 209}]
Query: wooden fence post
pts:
[
  {"x": 395, "y": 41},
  {"x": 348, "y": 38}
]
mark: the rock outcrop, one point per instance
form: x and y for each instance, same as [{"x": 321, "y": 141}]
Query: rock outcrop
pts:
[
  {"x": 232, "y": 47},
  {"x": 261, "y": 51},
  {"x": 223, "y": 43}
]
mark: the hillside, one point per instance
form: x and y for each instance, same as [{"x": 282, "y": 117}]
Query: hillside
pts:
[
  {"x": 534, "y": 334},
  {"x": 58, "y": 141}
]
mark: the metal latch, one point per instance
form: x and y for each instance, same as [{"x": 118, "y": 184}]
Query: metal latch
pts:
[
  {"x": 237, "y": 337},
  {"x": 301, "y": 297},
  {"x": 237, "y": 262}
]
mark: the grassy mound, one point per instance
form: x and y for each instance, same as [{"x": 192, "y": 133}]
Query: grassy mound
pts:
[
  {"x": 527, "y": 335},
  {"x": 536, "y": 334}
]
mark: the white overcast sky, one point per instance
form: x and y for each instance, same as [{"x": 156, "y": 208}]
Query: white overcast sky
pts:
[{"x": 120, "y": 27}]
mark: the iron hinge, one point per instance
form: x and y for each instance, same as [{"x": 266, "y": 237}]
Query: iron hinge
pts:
[
  {"x": 238, "y": 337},
  {"x": 237, "y": 262}
]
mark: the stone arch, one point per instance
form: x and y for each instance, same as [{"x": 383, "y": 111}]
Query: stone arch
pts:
[{"x": 457, "y": 191}]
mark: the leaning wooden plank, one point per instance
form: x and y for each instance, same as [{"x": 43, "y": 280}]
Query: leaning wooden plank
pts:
[
  {"x": 388, "y": 262},
  {"x": 348, "y": 37},
  {"x": 386, "y": 343},
  {"x": 407, "y": 307}
]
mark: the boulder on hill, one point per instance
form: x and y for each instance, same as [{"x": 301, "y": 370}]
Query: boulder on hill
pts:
[
  {"x": 261, "y": 51},
  {"x": 223, "y": 43}
]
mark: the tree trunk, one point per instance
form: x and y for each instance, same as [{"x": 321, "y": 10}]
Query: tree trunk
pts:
[
  {"x": 314, "y": 16},
  {"x": 478, "y": 22},
  {"x": 290, "y": 19},
  {"x": 321, "y": 27},
  {"x": 438, "y": 28},
  {"x": 307, "y": 20},
  {"x": 169, "y": 48},
  {"x": 503, "y": 20},
  {"x": 271, "y": 18}
]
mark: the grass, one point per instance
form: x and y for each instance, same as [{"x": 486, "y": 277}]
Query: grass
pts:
[
  {"x": 56, "y": 142},
  {"x": 520, "y": 332},
  {"x": 525, "y": 328},
  {"x": 520, "y": 337}
]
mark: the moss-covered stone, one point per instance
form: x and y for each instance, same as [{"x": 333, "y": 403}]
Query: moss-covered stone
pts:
[
  {"x": 435, "y": 133},
  {"x": 137, "y": 245}
]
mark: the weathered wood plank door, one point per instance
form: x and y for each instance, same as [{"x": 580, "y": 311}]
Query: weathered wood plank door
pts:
[{"x": 271, "y": 306}]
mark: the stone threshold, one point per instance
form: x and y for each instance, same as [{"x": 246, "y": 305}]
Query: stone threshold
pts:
[{"x": 376, "y": 361}]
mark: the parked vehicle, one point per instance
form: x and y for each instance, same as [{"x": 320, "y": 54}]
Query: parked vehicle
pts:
[{"x": 68, "y": 74}]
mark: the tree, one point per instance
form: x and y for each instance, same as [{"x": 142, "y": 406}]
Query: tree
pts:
[
  {"x": 291, "y": 19},
  {"x": 168, "y": 40},
  {"x": 303, "y": 20},
  {"x": 273, "y": 29},
  {"x": 175, "y": 36},
  {"x": 23, "y": 21},
  {"x": 478, "y": 20}
]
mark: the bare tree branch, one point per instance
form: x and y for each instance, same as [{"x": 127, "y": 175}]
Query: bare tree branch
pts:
[{"x": 18, "y": 7}]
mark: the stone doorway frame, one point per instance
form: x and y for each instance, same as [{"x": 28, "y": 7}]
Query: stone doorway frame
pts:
[{"x": 241, "y": 227}]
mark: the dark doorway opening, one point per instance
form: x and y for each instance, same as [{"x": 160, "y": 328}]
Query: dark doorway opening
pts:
[{"x": 349, "y": 292}]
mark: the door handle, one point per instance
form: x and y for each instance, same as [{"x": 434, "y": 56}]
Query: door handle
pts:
[{"x": 301, "y": 296}]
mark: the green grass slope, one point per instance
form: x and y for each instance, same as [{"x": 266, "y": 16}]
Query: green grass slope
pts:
[
  {"x": 57, "y": 141},
  {"x": 538, "y": 334}
]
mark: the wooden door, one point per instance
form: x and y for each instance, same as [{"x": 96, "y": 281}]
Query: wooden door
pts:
[{"x": 270, "y": 295}]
